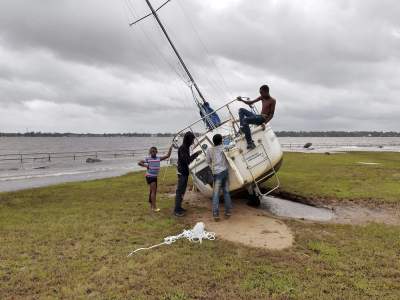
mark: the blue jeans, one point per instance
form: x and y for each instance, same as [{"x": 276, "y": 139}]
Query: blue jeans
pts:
[
  {"x": 221, "y": 181},
  {"x": 247, "y": 117}
]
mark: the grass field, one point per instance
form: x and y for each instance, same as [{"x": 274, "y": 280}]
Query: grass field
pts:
[
  {"x": 343, "y": 177},
  {"x": 70, "y": 241}
]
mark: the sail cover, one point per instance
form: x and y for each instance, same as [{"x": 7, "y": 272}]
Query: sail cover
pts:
[{"x": 211, "y": 118}]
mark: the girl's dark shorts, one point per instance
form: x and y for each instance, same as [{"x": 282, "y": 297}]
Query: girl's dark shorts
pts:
[{"x": 150, "y": 179}]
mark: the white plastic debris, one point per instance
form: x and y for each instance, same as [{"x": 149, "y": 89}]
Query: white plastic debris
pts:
[{"x": 195, "y": 235}]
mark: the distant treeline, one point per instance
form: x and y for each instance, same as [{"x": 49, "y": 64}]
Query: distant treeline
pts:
[
  {"x": 69, "y": 134},
  {"x": 278, "y": 133}
]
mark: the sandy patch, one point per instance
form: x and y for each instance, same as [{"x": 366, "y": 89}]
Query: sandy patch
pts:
[{"x": 248, "y": 226}]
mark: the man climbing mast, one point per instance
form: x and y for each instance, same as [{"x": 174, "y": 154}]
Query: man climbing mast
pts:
[{"x": 247, "y": 117}]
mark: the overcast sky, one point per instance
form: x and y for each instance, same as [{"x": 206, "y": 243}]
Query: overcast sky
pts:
[{"x": 76, "y": 65}]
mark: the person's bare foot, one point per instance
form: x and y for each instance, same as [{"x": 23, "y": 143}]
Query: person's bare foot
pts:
[{"x": 156, "y": 209}]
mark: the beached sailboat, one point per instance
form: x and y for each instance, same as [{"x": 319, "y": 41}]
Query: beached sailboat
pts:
[{"x": 247, "y": 167}]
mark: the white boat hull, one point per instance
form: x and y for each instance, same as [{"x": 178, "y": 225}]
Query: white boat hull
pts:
[{"x": 245, "y": 166}]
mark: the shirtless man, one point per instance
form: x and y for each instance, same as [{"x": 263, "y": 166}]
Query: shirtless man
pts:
[{"x": 247, "y": 117}]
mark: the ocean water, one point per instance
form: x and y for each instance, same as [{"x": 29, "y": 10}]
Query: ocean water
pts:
[
  {"x": 323, "y": 144},
  {"x": 119, "y": 155}
]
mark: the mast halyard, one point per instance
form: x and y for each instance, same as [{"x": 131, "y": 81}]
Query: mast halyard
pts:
[
  {"x": 210, "y": 117},
  {"x": 154, "y": 12}
]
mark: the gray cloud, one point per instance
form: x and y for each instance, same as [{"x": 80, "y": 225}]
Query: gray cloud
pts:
[{"x": 77, "y": 66}]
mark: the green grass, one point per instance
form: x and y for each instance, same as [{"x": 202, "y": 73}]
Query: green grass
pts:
[
  {"x": 339, "y": 177},
  {"x": 70, "y": 241}
]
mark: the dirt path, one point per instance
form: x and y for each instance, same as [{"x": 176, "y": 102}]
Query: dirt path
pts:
[
  {"x": 343, "y": 213},
  {"x": 249, "y": 226},
  {"x": 356, "y": 214}
]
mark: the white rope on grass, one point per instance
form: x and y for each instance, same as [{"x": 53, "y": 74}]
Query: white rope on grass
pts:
[{"x": 195, "y": 235}]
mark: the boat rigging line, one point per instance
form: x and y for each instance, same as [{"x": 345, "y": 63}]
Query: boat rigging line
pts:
[
  {"x": 142, "y": 18},
  {"x": 206, "y": 51},
  {"x": 154, "y": 13},
  {"x": 163, "y": 57}
]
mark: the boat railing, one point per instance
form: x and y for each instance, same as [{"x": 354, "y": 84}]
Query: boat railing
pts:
[
  {"x": 235, "y": 125},
  {"x": 229, "y": 117}
]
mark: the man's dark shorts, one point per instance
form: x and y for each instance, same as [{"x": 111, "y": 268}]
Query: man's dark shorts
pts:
[{"x": 151, "y": 179}]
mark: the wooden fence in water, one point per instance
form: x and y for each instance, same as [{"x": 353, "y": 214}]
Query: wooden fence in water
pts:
[{"x": 73, "y": 155}]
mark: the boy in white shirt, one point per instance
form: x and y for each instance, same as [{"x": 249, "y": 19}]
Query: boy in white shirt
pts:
[{"x": 219, "y": 167}]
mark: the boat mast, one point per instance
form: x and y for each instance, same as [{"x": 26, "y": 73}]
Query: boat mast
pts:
[{"x": 154, "y": 12}]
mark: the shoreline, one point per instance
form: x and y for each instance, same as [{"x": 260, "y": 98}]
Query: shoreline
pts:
[
  {"x": 41, "y": 180},
  {"x": 51, "y": 180}
]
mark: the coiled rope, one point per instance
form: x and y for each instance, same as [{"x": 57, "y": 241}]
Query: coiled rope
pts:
[{"x": 195, "y": 235}]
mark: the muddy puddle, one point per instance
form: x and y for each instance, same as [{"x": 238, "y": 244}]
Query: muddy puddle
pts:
[
  {"x": 338, "y": 214},
  {"x": 289, "y": 209}
]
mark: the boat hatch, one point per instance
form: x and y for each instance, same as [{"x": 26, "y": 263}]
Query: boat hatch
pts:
[{"x": 205, "y": 175}]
